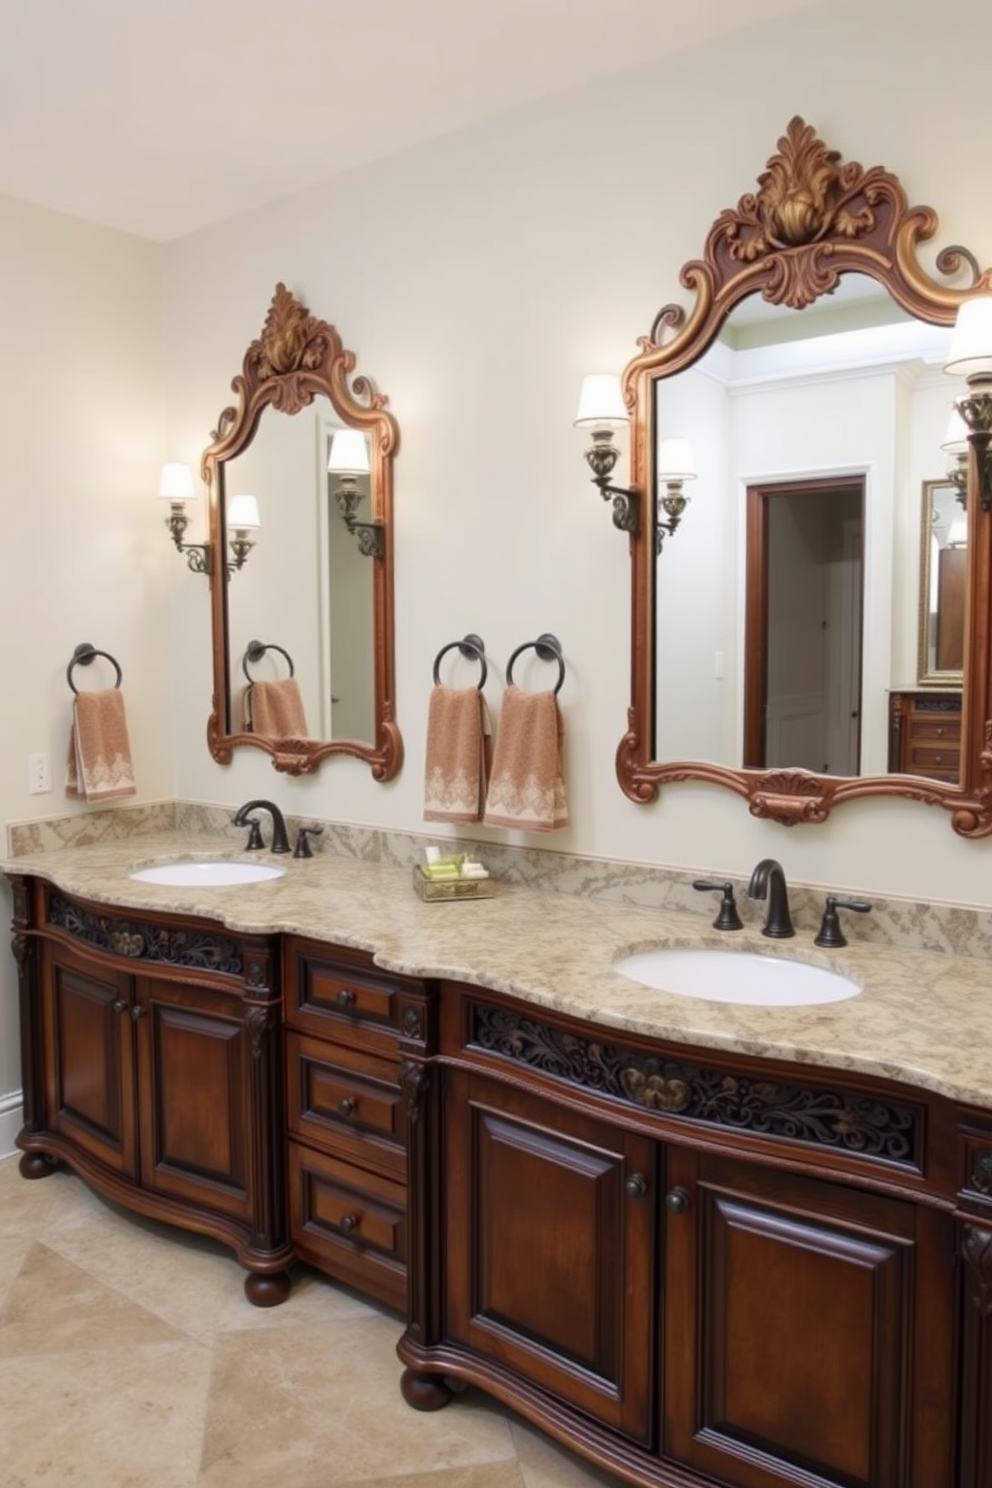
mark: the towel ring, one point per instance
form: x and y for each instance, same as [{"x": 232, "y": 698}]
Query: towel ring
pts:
[
  {"x": 548, "y": 648},
  {"x": 470, "y": 646},
  {"x": 255, "y": 650},
  {"x": 83, "y": 656}
]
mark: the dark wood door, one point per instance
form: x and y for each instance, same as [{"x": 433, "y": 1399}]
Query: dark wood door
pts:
[
  {"x": 194, "y": 1094},
  {"x": 550, "y": 1248},
  {"x": 804, "y": 1339},
  {"x": 89, "y": 1061}
]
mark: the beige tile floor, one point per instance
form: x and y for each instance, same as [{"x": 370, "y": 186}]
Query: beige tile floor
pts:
[{"x": 130, "y": 1358}]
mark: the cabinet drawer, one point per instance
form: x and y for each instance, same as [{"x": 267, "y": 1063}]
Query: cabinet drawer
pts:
[
  {"x": 346, "y": 1101},
  {"x": 934, "y": 761},
  {"x": 350, "y": 1001},
  {"x": 349, "y": 1224},
  {"x": 926, "y": 728}
]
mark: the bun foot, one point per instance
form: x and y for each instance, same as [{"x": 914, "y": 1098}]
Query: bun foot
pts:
[
  {"x": 425, "y": 1392},
  {"x": 267, "y": 1291},
  {"x": 35, "y": 1165}
]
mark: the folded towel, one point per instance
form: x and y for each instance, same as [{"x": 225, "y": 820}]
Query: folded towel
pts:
[
  {"x": 457, "y": 765},
  {"x": 275, "y": 709},
  {"x": 527, "y": 789},
  {"x": 98, "y": 766}
]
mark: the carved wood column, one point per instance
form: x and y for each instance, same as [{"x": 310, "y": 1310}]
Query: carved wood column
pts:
[{"x": 976, "y": 1357}]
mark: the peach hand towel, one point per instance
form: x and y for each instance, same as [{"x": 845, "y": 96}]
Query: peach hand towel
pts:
[
  {"x": 527, "y": 789},
  {"x": 457, "y": 764},
  {"x": 275, "y": 709},
  {"x": 98, "y": 765}
]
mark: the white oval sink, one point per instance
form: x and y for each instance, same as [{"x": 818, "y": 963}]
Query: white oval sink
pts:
[
  {"x": 743, "y": 977},
  {"x": 202, "y": 875}
]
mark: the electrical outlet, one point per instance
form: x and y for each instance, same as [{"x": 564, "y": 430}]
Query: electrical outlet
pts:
[{"x": 39, "y": 774}]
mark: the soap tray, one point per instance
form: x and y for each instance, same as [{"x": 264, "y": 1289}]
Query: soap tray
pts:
[{"x": 444, "y": 890}]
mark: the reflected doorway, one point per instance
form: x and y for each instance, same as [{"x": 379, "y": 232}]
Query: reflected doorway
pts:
[{"x": 803, "y": 625}]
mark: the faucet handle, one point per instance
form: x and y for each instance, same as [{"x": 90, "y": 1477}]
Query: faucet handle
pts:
[
  {"x": 831, "y": 935},
  {"x": 303, "y": 848},
  {"x": 254, "y": 843},
  {"x": 727, "y": 917}
]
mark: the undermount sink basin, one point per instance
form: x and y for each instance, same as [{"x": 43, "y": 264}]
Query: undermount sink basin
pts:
[
  {"x": 202, "y": 875},
  {"x": 743, "y": 977}
]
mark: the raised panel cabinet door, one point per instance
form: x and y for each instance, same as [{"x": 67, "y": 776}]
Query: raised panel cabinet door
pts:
[
  {"x": 794, "y": 1312},
  {"x": 549, "y": 1240},
  {"x": 89, "y": 1064},
  {"x": 193, "y": 1084}
]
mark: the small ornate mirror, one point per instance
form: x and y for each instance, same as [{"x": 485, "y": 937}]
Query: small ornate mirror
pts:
[
  {"x": 303, "y": 652},
  {"x": 943, "y": 583}
]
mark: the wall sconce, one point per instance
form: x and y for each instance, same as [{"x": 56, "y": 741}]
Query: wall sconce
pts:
[
  {"x": 242, "y": 518},
  {"x": 955, "y": 445},
  {"x": 602, "y": 410},
  {"x": 348, "y": 459},
  {"x": 177, "y": 486},
  {"x": 970, "y": 356},
  {"x": 675, "y": 467}
]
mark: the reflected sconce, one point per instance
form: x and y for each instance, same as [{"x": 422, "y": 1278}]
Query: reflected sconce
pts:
[
  {"x": 602, "y": 411},
  {"x": 242, "y": 519},
  {"x": 348, "y": 459},
  {"x": 957, "y": 533},
  {"x": 970, "y": 356},
  {"x": 176, "y": 485},
  {"x": 955, "y": 445},
  {"x": 675, "y": 467}
]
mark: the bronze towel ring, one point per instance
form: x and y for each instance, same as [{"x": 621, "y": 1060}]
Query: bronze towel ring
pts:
[
  {"x": 470, "y": 646},
  {"x": 255, "y": 650},
  {"x": 548, "y": 648},
  {"x": 83, "y": 656}
]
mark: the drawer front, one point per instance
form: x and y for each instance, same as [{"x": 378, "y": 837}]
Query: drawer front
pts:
[
  {"x": 941, "y": 763},
  {"x": 349, "y": 1224},
  {"x": 926, "y": 728},
  {"x": 346, "y": 1102},
  {"x": 352, "y": 1003}
]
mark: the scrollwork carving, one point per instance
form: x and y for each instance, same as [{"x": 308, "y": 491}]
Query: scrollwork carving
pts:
[
  {"x": 414, "y": 1081},
  {"x": 148, "y": 942},
  {"x": 976, "y": 1251}
]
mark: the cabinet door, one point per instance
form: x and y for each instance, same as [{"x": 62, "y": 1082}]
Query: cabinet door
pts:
[
  {"x": 549, "y": 1243},
  {"x": 89, "y": 1070},
  {"x": 193, "y": 1082},
  {"x": 794, "y": 1312}
]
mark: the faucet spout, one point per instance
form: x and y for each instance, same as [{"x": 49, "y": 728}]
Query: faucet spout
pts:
[
  {"x": 768, "y": 882},
  {"x": 280, "y": 839}
]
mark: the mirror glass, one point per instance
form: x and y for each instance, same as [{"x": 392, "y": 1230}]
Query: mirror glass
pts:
[
  {"x": 943, "y": 583},
  {"x": 303, "y": 627}
]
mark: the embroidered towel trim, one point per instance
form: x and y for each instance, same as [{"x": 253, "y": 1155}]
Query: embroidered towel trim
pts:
[
  {"x": 275, "y": 709},
  {"x": 457, "y": 759},
  {"x": 527, "y": 788},
  {"x": 98, "y": 763}
]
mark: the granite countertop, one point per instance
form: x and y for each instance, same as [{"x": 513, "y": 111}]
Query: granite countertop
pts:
[{"x": 922, "y": 1018}]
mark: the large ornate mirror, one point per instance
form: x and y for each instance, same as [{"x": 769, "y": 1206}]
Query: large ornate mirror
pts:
[
  {"x": 774, "y": 628},
  {"x": 303, "y": 629}
]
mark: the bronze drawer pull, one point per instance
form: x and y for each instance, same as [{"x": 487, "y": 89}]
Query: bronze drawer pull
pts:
[
  {"x": 347, "y": 1106},
  {"x": 348, "y": 1223},
  {"x": 137, "y": 1012},
  {"x": 344, "y": 998},
  {"x": 677, "y": 1200},
  {"x": 636, "y": 1186},
  {"x": 120, "y": 1007}
]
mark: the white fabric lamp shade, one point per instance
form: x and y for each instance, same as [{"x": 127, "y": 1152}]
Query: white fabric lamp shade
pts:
[
  {"x": 601, "y": 404},
  {"x": 176, "y": 482},
  {"x": 675, "y": 461},
  {"x": 955, "y": 440},
  {"x": 349, "y": 453},
  {"x": 957, "y": 533},
  {"x": 242, "y": 513},
  {"x": 970, "y": 352}
]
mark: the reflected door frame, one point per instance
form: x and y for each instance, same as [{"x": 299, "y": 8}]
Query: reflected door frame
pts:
[{"x": 758, "y": 498}]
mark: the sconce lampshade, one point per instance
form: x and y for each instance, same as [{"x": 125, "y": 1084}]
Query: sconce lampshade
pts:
[
  {"x": 955, "y": 440},
  {"x": 349, "y": 453},
  {"x": 601, "y": 404},
  {"x": 957, "y": 533},
  {"x": 242, "y": 513},
  {"x": 675, "y": 461},
  {"x": 176, "y": 482},
  {"x": 970, "y": 353}
]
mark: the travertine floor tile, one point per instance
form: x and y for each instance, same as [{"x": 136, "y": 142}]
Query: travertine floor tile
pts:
[
  {"x": 14, "y": 1250},
  {"x": 320, "y": 1408},
  {"x": 486, "y": 1475},
  {"x": 544, "y": 1464}
]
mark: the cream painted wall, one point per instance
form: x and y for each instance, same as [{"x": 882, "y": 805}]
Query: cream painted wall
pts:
[
  {"x": 82, "y": 424},
  {"x": 478, "y": 279}
]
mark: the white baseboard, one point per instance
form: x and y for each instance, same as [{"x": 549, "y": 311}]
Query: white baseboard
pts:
[{"x": 11, "y": 1121}]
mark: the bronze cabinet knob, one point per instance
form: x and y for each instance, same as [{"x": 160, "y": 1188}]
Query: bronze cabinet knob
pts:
[
  {"x": 120, "y": 1006},
  {"x": 137, "y": 1012},
  {"x": 344, "y": 998},
  {"x": 348, "y": 1223},
  {"x": 677, "y": 1200},
  {"x": 636, "y": 1186},
  {"x": 347, "y": 1106}
]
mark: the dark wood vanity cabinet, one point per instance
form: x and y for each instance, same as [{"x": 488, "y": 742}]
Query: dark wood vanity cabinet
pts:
[
  {"x": 925, "y": 735},
  {"x": 349, "y": 1030},
  {"x": 692, "y": 1271},
  {"x": 152, "y": 1066}
]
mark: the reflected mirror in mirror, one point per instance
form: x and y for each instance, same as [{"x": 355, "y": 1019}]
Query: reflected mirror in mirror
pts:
[
  {"x": 943, "y": 579},
  {"x": 811, "y": 430}
]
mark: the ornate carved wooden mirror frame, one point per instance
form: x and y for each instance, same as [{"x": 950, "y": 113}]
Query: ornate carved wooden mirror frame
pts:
[
  {"x": 810, "y": 220},
  {"x": 296, "y": 358}
]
